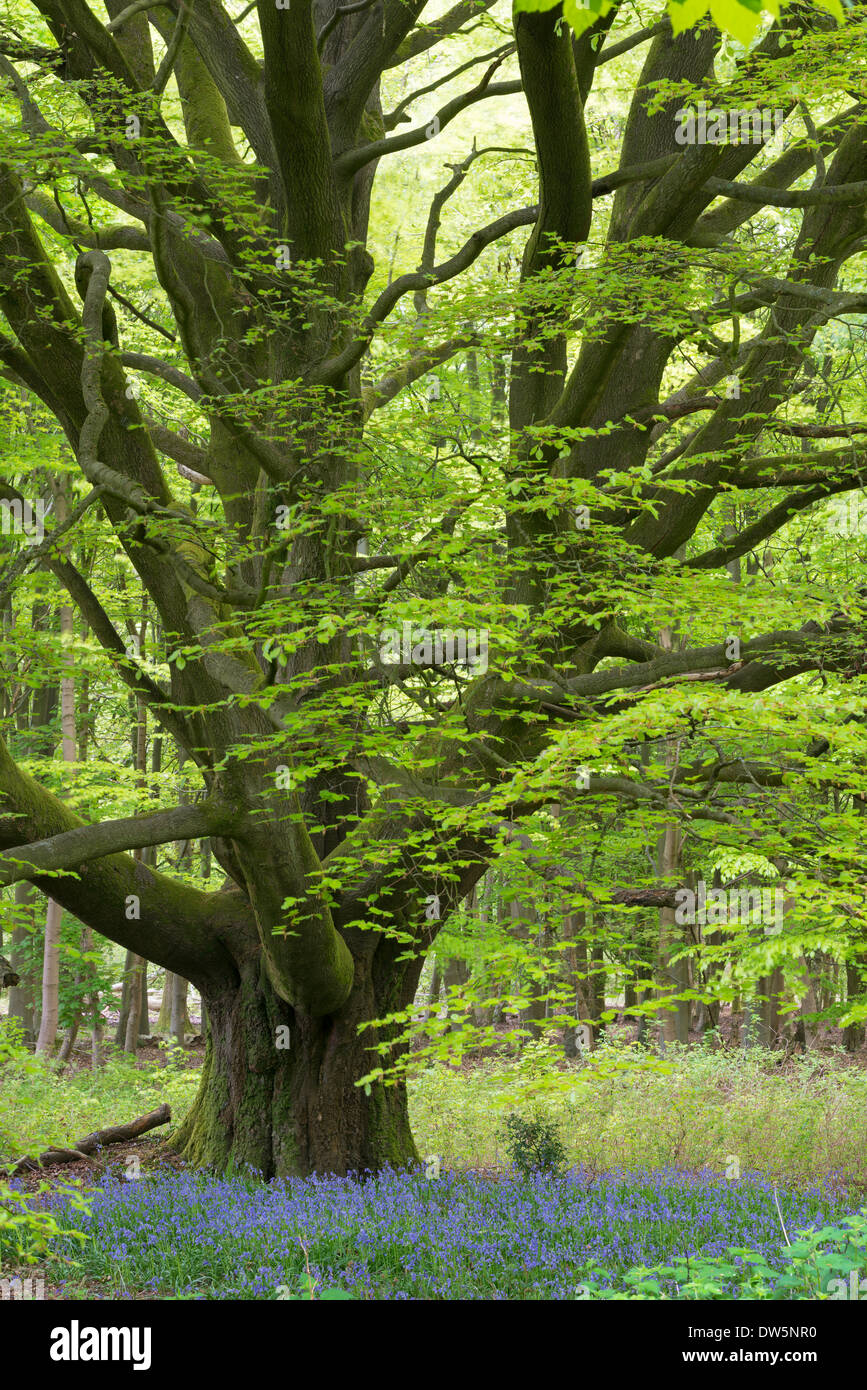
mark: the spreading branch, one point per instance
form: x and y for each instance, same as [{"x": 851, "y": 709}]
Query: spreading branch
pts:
[{"x": 71, "y": 848}]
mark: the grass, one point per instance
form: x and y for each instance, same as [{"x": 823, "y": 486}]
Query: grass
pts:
[
  {"x": 647, "y": 1142},
  {"x": 41, "y": 1108},
  {"x": 697, "y": 1109}
]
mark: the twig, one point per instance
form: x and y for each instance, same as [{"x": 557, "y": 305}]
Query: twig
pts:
[{"x": 780, "y": 1215}]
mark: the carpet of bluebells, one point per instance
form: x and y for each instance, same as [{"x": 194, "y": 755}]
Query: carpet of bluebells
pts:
[{"x": 398, "y": 1235}]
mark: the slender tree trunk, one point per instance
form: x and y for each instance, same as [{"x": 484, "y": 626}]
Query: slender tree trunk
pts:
[
  {"x": 85, "y": 971},
  {"x": 95, "y": 1039},
  {"x": 54, "y": 913},
  {"x": 144, "y": 1015},
  {"x": 710, "y": 971},
  {"x": 124, "y": 1003},
  {"x": 598, "y": 983},
  {"x": 809, "y": 1004},
  {"x": 93, "y": 1004},
  {"x": 179, "y": 1008},
  {"x": 133, "y": 1021},
  {"x": 853, "y": 1033},
  {"x": 522, "y": 916},
  {"x": 673, "y": 978},
  {"x": 174, "y": 987},
  {"x": 68, "y": 1043},
  {"x": 164, "y": 1017},
  {"x": 570, "y": 966},
  {"x": 50, "y": 979},
  {"x": 22, "y": 997},
  {"x": 673, "y": 974},
  {"x": 456, "y": 973},
  {"x": 138, "y": 1017},
  {"x": 770, "y": 1029},
  {"x": 71, "y": 1034},
  {"x": 588, "y": 988},
  {"x": 84, "y": 719},
  {"x": 538, "y": 1009},
  {"x": 856, "y": 972},
  {"x": 641, "y": 1035}
]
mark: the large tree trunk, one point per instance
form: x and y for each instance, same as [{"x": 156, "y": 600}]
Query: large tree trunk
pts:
[{"x": 285, "y": 1102}]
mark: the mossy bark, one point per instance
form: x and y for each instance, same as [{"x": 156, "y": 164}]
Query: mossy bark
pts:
[{"x": 294, "y": 1110}]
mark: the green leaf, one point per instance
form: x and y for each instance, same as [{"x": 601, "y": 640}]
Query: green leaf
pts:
[{"x": 739, "y": 18}]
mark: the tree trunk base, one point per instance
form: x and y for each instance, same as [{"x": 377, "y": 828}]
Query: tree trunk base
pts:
[{"x": 277, "y": 1093}]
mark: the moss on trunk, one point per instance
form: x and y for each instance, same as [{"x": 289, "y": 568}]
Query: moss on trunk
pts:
[{"x": 293, "y": 1110}]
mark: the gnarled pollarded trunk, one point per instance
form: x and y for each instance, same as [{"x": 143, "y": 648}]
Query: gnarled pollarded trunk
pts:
[{"x": 278, "y": 1090}]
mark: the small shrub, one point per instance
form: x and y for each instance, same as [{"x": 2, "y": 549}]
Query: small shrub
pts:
[{"x": 533, "y": 1143}]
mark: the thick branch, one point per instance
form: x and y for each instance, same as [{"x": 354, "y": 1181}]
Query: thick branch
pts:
[
  {"x": 837, "y": 195},
  {"x": 375, "y": 397},
  {"x": 72, "y": 848},
  {"x": 771, "y": 522},
  {"x": 122, "y": 237},
  {"x": 170, "y": 923},
  {"x": 336, "y": 367},
  {"x": 143, "y": 362},
  {"x": 396, "y": 117}
]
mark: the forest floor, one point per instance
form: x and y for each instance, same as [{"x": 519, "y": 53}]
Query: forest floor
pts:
[
  {"x": 181, "y": 1234},
  {"x": 650, "y": 1142}
]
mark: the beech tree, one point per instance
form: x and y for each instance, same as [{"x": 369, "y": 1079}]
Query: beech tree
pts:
[{"x": 382, "y": 652}]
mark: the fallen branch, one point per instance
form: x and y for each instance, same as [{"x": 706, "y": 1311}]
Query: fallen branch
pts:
[{"x": 117, "y": 1134}]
